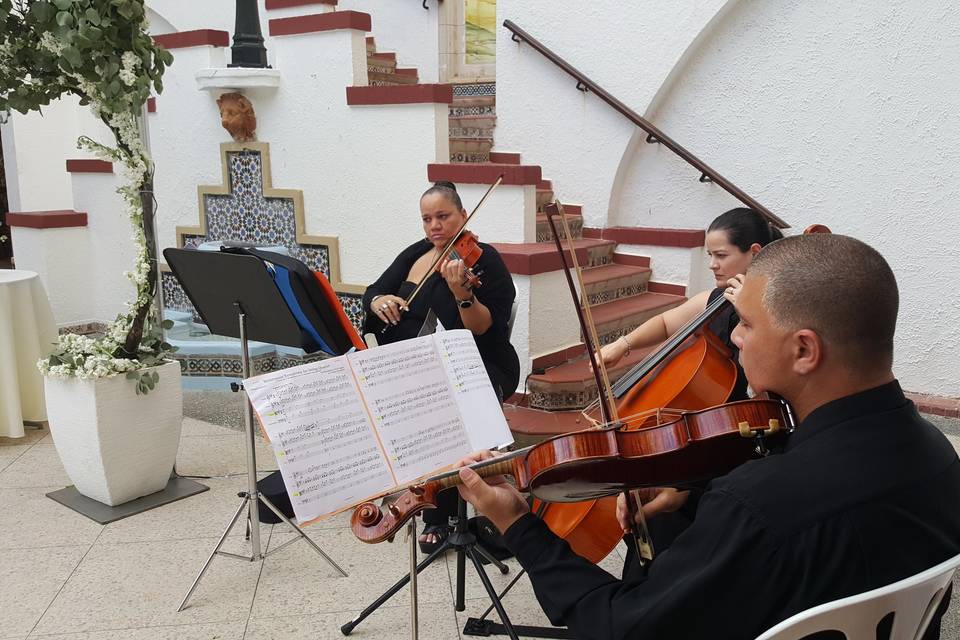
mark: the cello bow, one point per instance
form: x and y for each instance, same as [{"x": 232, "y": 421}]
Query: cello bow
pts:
[{"x": 641, "y": 535}]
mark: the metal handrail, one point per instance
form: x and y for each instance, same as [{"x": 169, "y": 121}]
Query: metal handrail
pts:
[{"x": 707, "y": 174}]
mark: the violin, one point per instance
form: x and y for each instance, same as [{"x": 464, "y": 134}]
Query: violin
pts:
[
  {"x": 673, "y": 448},
  {"x": 465, "y": 248}
]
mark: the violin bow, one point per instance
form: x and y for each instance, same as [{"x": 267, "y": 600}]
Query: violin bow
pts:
[
  {"x": 453, "y": 240},
  {"x": 608, "y": 407}
]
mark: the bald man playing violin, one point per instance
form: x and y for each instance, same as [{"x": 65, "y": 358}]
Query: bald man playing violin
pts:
[{"x": 865, "y": 492}]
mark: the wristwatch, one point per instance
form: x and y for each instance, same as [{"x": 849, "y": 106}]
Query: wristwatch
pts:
[{"x": 466, "y": 304}]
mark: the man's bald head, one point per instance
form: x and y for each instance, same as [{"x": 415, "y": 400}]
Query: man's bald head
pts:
[{"x": 837, "y": 286}]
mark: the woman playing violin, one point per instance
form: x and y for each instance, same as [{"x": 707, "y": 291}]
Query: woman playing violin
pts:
[{"x": 484, "y": 310}]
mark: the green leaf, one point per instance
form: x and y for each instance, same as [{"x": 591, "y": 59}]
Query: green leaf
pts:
[
  {"x": 72, "y": 55},
  {"x": 42, "y": 11},
  {"x": 167, "y": 324},
  {"x": 92, "y": 15},
  {"x": 63, "y": 5},
  {"x": 64, "y": 19}
]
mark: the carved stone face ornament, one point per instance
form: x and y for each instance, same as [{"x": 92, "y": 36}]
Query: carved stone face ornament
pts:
[{"x": 237, "y": 116}]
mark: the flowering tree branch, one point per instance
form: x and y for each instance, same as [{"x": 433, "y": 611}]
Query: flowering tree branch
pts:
[{"x": 99, "y": 51}]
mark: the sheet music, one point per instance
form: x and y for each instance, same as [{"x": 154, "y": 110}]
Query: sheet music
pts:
[
  {"x": 326, "y": 448},
  {"x": 348, "y": 428}
]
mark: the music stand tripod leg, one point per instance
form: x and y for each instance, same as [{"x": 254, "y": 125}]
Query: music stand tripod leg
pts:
[
  {"x": 251, "y": 497},
  {"x": 206, "y": 564},
  {"x": 347, "y": 628},
  {"x": 300, "y": 533}
]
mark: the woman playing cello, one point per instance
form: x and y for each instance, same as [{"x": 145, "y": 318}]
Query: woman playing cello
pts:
[{"x": 732, "y": 241}]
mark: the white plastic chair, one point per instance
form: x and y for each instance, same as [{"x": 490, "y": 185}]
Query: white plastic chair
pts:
[{"x": 913, "y": 601}]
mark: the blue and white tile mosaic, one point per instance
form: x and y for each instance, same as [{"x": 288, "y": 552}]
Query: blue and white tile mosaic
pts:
[{"x": 247, "y": 215}]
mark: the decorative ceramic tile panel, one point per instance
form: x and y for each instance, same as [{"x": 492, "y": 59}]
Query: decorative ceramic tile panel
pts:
[
  {"x": 246, "y": 215},
  {"x": 475, "y": 89}
]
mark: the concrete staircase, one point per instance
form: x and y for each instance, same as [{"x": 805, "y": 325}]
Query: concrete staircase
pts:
[
  {"x": 382, "y": 70},
  {"x": 473, "y": 116},
  {"x": 617, "y": 290}
]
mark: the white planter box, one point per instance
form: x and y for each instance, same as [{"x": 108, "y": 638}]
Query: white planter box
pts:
[{"x": 115, "y": 445}]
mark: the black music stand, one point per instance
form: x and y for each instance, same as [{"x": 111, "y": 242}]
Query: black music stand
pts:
[
  {"x": 236, "y": 297},
  {"x": 465, "y": 543}
]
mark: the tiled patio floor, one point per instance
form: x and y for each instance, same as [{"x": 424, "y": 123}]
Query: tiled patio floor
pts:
[{"x": 63, "y": 576}]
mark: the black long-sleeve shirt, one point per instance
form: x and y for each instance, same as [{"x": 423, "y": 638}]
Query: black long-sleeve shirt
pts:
[
  {"x": 497, "y": 293},
  {"x": 865, "y": 493}
]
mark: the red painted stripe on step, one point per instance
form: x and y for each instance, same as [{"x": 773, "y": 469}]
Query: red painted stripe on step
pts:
[
  {"x": 484, "y": 173},
  {"x": 665, "y": 287},
  {"x": 937, "y": 405},
  {"x": 194, "y": 38},
  {"x": 684, "y": 238},
  {"x": 89, "y": 166},
  {"x": 405, "y": 72},
  {"x": 531, "y": 258},
  {"x": 630, "y": 259},
  {"x": 558, "y": 357},
  {"x": 151, "y": 105},
  {"x": 47, "y": 219},
  {"x": 392, "y": 57},
  {"x": 320, "y": 22},
  {"x": 284, "y": 4},
  {"x": 401, "y": 94},
  {"x": 502, "y": 157}
]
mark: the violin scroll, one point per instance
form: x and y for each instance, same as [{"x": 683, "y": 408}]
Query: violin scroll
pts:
[{"x": 371, "y": 524}]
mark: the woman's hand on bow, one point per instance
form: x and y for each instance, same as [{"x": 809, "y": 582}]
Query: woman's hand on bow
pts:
[{"x": 388, "y": 308}]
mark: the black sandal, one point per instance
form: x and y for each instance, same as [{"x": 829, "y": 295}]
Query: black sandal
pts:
[{"x": 441, "y": 531}]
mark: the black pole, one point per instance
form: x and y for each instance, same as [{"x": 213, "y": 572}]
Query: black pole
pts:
[{"x": 248, "y": 49}]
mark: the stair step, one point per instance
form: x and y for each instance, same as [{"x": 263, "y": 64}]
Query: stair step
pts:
[
  {"x": 473, "y": 150},
  {"x": 469, "y": 130},
  {"x": 528, "y": 258},
  {"x": 483, "y": 110},
  {"x": 571, "y": 385},
  {"x": 474, "y": 101},
  {"x": 385, "y": 57},
  {"x": 614, "y": 281},
  {"x": 504, "y": 157},
  {"x": 371, "y": 45},
  {"x": 619, "y": 317},
  {"x": 545, "y": 234},
  {"x": 389, "y": 79},
  {"x": 530, "y": 425}
]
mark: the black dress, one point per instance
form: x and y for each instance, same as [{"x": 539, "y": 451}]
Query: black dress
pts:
[{"x": 497, "y": 293}]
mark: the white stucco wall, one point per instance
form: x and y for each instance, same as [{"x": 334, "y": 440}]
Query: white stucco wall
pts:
[
  {"x": 833, "y": 113},
  {"x": 36, "y": 146},
  {"x": 629, "y": 49}
]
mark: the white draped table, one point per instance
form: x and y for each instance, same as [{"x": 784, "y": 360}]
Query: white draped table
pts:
[{"x": 27, "y": 333}]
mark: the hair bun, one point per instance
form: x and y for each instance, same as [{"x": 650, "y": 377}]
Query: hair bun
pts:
[{"x": 446, "y": 184}]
